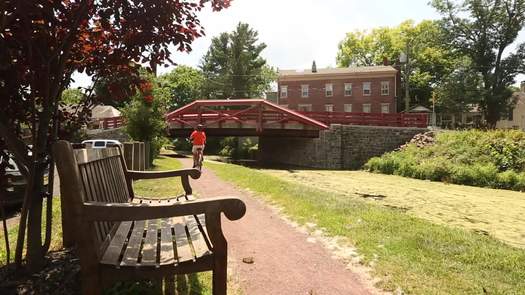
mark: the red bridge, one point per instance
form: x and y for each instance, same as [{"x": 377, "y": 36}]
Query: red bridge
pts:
[
  {"x": 242, "y": 117},
  {"x": 259, "y": 117}
]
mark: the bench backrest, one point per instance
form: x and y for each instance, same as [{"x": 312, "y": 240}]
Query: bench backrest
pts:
[{"x": 91, "y": 175}]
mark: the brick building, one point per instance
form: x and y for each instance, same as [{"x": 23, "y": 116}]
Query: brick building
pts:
[{"x": 356, "y": 89}]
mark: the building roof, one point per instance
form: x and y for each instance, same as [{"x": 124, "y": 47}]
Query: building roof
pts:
[
  {"x": 102, "y": 111},
  {"x": 419, "y": 109},
  {"x": 339, "y": 71}
]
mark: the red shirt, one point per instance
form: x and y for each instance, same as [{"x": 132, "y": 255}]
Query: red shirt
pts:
[{"x": 198, "y": 137}]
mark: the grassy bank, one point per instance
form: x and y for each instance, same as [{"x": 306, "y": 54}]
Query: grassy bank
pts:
[
  {"x": 493, "y": 159},
  {"x": 498, "y": 213},
  {"x": 407, "y": 252}
]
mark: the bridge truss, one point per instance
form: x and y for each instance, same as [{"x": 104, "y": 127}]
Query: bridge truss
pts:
[{"x": 242, "y": 117}]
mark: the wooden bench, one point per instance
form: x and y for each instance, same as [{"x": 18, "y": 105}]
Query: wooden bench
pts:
[{"x": 120, "y": 237}]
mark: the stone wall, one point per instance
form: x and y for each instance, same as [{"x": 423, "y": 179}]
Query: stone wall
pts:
[{"x": 341, "y": 147}]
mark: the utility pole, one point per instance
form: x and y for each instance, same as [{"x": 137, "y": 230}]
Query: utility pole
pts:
[{"x": 404, "y": 58}]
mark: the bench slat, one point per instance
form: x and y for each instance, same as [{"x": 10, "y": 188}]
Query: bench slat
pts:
[
  {"x": 121, "y": 180},
  {"x": 201, "y": 222},
  {"x": 167, "y": 253},
  {"x": 110, "y": 180},
  {"x": 197, "y": 240},
  {"x": 112, "y": 254},
  {"x": 131, "y": 254},
  {"x": 91, "y": 155},
  {"x": 181, "y": 239},
  {"x": 149, "y": 249}
]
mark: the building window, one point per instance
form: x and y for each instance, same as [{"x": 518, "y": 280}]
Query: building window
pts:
[
  {"x": 385, "y": 108},
  {"x": 348, "y": 107},
  {"x": 329, "y": 107},
  {"x": 304, "y": 107},
  {"x": 304, "y": 90},
  {"x": 284, "y": 91},
  {"x": 367, "y": 88},
  {"x": 348, "y": 89},
  {"x": 367, "y": 108},
  {"x": 329, "y": 90},
  {"x": 385, "y": 87}
]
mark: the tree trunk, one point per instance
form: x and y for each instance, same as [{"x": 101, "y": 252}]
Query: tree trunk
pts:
[
  {"x": 492, "y": 117},
  {"x": 35, "y": 251}
]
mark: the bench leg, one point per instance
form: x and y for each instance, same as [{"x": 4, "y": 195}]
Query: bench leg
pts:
[
  {"x": 169, "y": 285},
  {"x": 220, "y": 274},
  {"x": 91, "y": 284}
]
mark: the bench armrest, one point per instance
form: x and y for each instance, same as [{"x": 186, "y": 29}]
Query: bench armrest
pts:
[
  {"x": 233, "y": 209},
  {"x": 133, "y": 174}
]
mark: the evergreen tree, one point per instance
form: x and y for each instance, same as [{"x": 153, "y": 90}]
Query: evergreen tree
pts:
[{"x": 233, "y": 67}]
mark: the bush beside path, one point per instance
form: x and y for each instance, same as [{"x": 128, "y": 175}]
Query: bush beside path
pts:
[{"x": 493, "y": 159}]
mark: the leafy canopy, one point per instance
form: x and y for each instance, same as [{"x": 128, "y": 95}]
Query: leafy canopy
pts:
[
  {"x": 181, "y": 86},
  {"x": 430, "y": 58},
  {"x": 483, "y": 30}
]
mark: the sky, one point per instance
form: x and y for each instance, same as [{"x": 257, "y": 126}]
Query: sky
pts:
[{"x": 297, "y": 32}]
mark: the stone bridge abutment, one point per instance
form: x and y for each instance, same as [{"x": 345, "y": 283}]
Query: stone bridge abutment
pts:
[{"x": 340, "y": 147}]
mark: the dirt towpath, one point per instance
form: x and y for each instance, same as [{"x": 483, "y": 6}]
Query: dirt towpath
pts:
[{"x": 284, "y": 261}]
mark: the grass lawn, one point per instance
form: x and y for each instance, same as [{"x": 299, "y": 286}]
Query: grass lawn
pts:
[
  {"x": 499, "y": 213},
  {"x": 56, "y": 233},
  {"x": 408, "y": 252},
  {"x": 164, "y": 187}
]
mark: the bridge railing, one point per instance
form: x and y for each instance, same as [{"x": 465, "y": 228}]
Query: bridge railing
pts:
[
  {"x": 371, "y": 119},
  {"x": 108, "y": 123}
]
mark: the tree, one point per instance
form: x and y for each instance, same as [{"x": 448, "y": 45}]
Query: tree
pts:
[
  {"x": 233, "y": 67},
  {"x": 72, "y": 96},
  {"x": 430, "y": 58},
  {"x": 144, "y": 115},
  {"x": 460, "y": 89},
  {"x": 182, "y": 85},
  {"x": 483, "y": 30},
  {"x": 42, "y": 43}
]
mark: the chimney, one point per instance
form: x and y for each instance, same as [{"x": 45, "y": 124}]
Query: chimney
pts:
[
  {"x": 385, "y": 61},
  {"x": 314, "y": 67},
  {"x": 522, "y": 86}
]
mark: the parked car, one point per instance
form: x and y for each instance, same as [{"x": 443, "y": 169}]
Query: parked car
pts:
[
  {"x": 101, "y": 143},
  {"x": 15, "y": 186}
]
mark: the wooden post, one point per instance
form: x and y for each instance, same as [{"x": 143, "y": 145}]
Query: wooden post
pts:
[
  {"x": 147, "y": 152},
  {"x": 142, "y": 160},
  {"x": 136, "y": 156},
  {"x": 128, "y": 155},
  {"x": 260, "y": 118}
]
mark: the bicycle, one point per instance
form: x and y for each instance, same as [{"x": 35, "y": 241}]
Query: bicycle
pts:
[{"x": 200, "y": 159}]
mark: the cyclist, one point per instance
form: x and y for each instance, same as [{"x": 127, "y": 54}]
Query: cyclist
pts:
[{"x": 198, "y": 138}]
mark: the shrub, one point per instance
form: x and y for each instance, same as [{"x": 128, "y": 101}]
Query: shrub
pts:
[
  {"x": 239, "y": 148},
  {"x": 480, "y": 158},
  {"x": 508, "y": 179}
]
